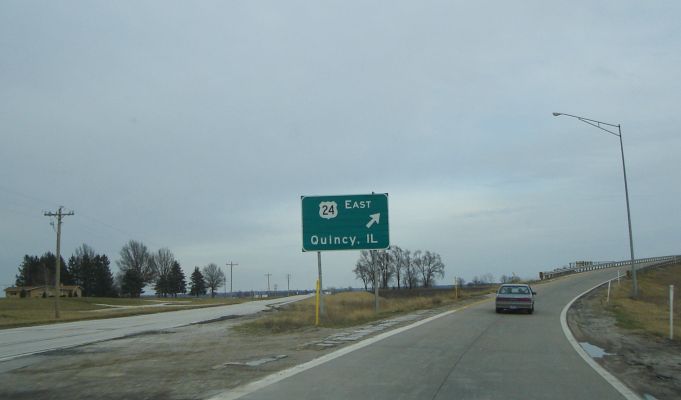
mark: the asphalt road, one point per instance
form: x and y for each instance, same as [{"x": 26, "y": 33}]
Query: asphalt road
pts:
[
  {"x": 36, "y": 339},
  {"x": 473, "y": 353}
]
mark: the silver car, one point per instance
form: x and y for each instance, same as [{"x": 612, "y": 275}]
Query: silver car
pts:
[{"x": 515, "y": 297}]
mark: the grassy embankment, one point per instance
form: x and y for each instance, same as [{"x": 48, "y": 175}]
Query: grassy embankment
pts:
[
  {"x": 25, "y": 312},
  {"x": 354, "y": 308},
  {"x": 650, "y": 311}
]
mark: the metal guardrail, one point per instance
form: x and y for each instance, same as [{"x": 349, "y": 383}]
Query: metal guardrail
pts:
[{"x": 584, "y": 268}]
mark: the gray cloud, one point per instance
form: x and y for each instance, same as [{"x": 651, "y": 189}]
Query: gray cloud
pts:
[{"x": 198, "y": 127}]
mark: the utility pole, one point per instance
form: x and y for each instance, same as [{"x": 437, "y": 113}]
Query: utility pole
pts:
[
  {"x": 288, "y": 285},
  {"x": 268, "y": 284},
  {"x": 231, "y": 264},
  {"x": 59, "y": 214}
]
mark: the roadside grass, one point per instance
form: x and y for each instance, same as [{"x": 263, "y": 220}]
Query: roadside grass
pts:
[
  {"x": 350, "y": 309},
  {"x": 650, "y": 312},
  {"x": 37, "y": 311}
]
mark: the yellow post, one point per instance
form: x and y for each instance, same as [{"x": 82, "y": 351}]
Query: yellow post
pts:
[{"x": 316, "y": 308}]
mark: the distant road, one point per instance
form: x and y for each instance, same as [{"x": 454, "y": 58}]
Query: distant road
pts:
[
  {"x": 473, "y": 353},
  {"x": 19, "y": 342}
]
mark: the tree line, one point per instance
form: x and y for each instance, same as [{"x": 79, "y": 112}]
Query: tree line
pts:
[
  {"x": 138, "y": 267},
  {"x": 86, "y": 269},
  {"x": 400, "y": 267}
]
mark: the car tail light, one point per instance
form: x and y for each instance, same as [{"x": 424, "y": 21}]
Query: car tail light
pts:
[{"x": 520, "y": 299}]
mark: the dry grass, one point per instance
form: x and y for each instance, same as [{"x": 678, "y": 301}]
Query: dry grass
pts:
[
  {"x": 650, "y": 312},
  {"x": 25, "y": 312},
  {"x": 348, "y": 309}
]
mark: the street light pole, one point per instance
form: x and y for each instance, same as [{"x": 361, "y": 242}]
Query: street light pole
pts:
[{"x": 598, "y": 124}]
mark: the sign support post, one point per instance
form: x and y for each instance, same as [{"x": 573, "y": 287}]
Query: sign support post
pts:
[
  {"x": 373, "y": 261},
  {"x": 671, "y": 312},
  {"x": 316, "y": 308},
  {"x": 320, "y": 294}
]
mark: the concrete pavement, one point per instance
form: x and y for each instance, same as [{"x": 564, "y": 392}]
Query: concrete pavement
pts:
[
  {"x": 19, "y": 342},
  {"x": 470, "y": 354}
]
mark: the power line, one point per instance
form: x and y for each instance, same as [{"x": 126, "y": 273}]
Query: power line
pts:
[
  {"x": 24, "y": 195},
  {"x": 46, "y": 201}
]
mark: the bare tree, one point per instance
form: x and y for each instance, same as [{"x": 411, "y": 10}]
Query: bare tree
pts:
[
  {"x": 430, "y": 266},
  {"x": 411, "y": 278},
  {"x": 385, "y": 267},
  {"x": 364, "y": 269},
  {"x": 477, "y": 281},
  {"x": 84, "y": 252},
  {"x": 407, "y": 268},
  {"x": 162, "y": 262},
  {"x": 214, "y": 277},
  {"x": 135, "y": 256},
  {"x": 487, "y": 278},
  {"x": 510, "y": 278},
  {"x": 484, "y": 279},
  {"x": 400, "y": 260}
]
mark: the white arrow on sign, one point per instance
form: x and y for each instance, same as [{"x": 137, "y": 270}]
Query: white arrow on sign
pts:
[{"x": 374, "y": 220}]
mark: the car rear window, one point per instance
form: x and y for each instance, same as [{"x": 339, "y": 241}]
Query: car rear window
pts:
[{"x": 514, "y": 290}]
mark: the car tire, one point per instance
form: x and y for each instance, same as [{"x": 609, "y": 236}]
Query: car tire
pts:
[
  {"x": 531, "y": 310},
  {"x": 498, "y": 310}
]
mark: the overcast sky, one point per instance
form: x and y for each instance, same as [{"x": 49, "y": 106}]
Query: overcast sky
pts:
[{"x": 198, "y": 125}]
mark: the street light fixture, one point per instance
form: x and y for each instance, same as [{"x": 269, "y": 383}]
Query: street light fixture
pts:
[{"x": 598, "y": 124}]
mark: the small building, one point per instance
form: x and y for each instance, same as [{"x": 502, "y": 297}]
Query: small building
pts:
[{"x": 43, "y": 291}]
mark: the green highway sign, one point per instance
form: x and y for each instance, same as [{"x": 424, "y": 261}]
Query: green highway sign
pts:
[{"x": 352, "y": 222}]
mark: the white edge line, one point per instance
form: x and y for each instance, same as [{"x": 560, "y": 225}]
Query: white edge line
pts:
[
  {"x": 241, "y": 391},
  {"x": 611, "y": 379}
]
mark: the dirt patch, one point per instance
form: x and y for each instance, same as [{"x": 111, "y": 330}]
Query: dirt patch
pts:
[
  {"x": 182, "y": 363},
  {"x": 648, "y": 364}
]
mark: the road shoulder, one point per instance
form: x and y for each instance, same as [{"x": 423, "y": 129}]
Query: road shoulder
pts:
[{"x": 647, "y": 364}]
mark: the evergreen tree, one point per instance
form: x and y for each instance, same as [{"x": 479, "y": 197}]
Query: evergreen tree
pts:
[
  {"x": 132, "y": 283},
  {"x": 177, "y": 282},
  {"x": 38, "y": 271},
  {"x": 198, "y": 284},
  {"x": 31, "y": 272},
  {"x": 162, "y": 286},
  {"x": 104, "y": 281},
  {"x": 91, "y": 272},
  {"x": 81, "y": 267}
]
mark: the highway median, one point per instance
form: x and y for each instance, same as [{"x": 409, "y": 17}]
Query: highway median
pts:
[{"x": 16, "y": 313}]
